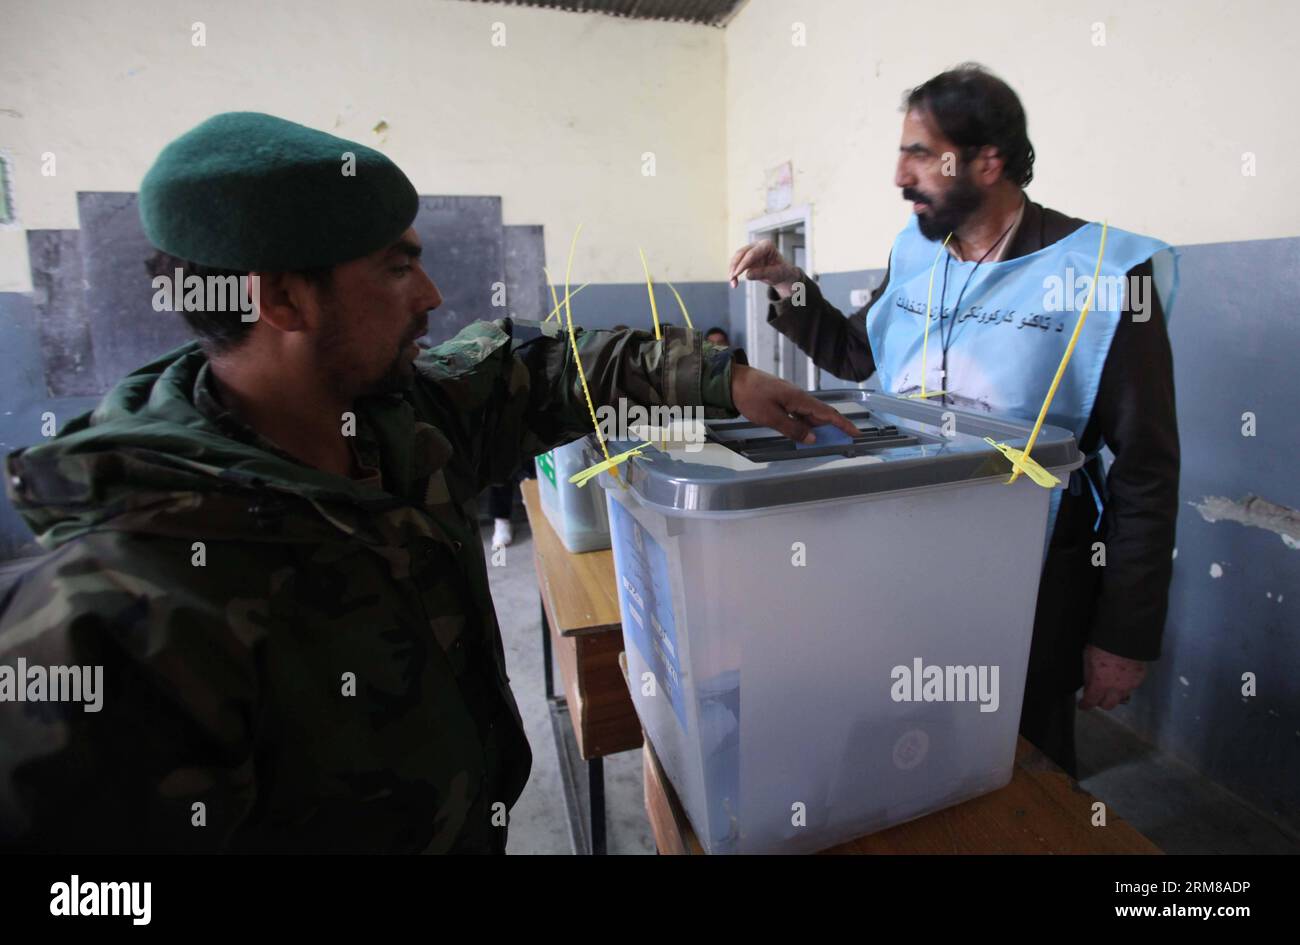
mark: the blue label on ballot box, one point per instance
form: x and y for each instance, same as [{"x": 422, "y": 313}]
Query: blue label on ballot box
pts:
[{"x": 645, "y": 597}]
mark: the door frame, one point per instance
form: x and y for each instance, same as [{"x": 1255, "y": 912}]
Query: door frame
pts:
[{"x": 756, "y": 292}]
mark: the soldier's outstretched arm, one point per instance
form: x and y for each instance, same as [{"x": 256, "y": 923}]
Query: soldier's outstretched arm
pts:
[{"x": 511, "y": 389}]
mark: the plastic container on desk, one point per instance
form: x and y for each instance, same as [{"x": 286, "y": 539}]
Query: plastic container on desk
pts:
[
  {"x": 577, "y": 515},
  {"x": 775, "y": 599}
]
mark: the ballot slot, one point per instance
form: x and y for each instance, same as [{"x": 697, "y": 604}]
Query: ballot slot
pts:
[{"x": 761, "y": 444}]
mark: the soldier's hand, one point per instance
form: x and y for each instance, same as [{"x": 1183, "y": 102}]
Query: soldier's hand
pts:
[
  {"x": 772, "y": 402},
  {"x": 762, "y": 263}
]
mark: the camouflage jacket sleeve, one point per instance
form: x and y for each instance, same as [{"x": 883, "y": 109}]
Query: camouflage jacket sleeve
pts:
[
  {"x": 154, "y": 751},
  {"x": 507, "y": 390}
]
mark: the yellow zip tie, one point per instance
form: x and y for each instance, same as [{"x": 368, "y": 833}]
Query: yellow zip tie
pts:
[
  {"x": 663, "y": 438},
  {"x": 555, "y": 312},
  {"x": 1024, "y": 463},
  {"x": 1021, "y": 462},
  {"x": 649, "y": 287},
  {"x": 685, "y": 314},
  {"x": 577, "y": 358},
  {"x": 581, "y": 477},
  {"x": 929, "y": 296}
]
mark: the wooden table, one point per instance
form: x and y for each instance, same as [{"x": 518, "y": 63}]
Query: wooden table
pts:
[
  {"x": 1042, "y": 810},
  {"x": 582, "y": 625}
]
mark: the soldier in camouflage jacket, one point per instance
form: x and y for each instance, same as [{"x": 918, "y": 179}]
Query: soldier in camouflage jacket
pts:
[{"x": 298, "y": 658}]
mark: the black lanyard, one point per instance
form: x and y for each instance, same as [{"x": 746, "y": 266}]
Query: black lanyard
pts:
[{"x": 945, "y": 339}]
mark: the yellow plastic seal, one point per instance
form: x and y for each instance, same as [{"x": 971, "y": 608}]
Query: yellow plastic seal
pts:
[
  {"x": 577, "y": 358},
  {"x": 581, "y": 477},
  {"x": 1022, "y": 463},
  {"x": 682, "y": 305},
  {"x": 650, "y": 290},
  {"x": 555, "y": 312}
]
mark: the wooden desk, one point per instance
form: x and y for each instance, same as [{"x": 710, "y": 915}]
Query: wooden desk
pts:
[
  {"x": 582, "y": 626},
  {"x": 1042, "y": 810}
]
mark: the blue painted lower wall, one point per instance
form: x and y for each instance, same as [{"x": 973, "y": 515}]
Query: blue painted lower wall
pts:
[
  {"x": 604, "y": 305},
  {"x": 1236, "y": 337}
]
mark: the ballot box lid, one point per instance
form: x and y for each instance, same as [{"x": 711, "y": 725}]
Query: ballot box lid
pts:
[{"x": 737, "y": 466}]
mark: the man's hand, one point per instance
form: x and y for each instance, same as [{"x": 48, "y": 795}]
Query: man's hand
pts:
[
  {"x": 761, "y": 262},
  {"x": 771, "y": 402},
  {"x": 1108, "y": 679}
]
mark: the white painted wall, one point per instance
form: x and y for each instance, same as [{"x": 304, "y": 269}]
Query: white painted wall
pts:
[
  {"x": 1148, "y": 130},
  {"x": 555, "y": 122}
]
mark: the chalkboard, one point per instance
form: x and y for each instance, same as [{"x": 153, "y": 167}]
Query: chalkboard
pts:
[
  {"x": 464, "y": 255},
  {"x": 93, "y": 296},
  {"x": 125, "y": 331},
  {"x": 526, "y": 292},
  {"x": 58, "y": 298}
]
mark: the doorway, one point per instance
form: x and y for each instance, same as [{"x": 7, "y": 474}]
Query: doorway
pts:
[{"x": 768, "y": 349}]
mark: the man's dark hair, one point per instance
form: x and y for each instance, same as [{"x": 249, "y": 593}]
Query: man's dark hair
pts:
[
  {"x": 219, "y": 331},
  {"x": 974, "y": 108}
]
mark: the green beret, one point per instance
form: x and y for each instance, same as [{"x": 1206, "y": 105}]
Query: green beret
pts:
[{"x": 248, "y": 191}]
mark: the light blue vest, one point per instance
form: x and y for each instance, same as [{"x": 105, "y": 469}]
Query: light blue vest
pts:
[{"x": 1015, "y": 321}]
